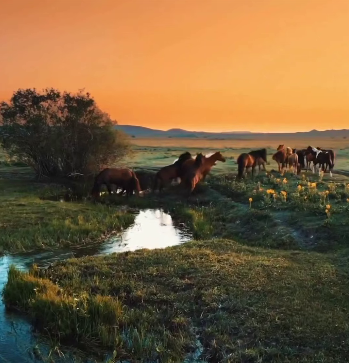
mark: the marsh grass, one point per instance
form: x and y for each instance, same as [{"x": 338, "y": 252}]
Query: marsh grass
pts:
[
  {"x": 246, "y": 304},
  {"x": 241, "y": 287},
  {"x": 29, "y": 222}
]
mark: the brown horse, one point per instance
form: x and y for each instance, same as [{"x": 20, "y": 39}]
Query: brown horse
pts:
[
  {"x": 193, "y": 174},
  {"x": 288, "y": 150},
  {"x": 123, "y": 178},
  {"x": 251, "y": 160},
  {"x": 292, "y": 161},
  {"x": 301, "y": 158},
  {"x": 166, "y": 174},
  {"x": 208, "y": 163},
  {"x": 281, "y": 158}
]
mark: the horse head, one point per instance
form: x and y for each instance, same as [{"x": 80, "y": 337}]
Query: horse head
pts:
[
  {"x": 280, "y": 147},
  {"x": 182, "y": 158},
  {"x": 218, "y": 157}
]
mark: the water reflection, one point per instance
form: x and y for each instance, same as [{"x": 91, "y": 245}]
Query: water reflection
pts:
[{"x": 151, "y": 229}]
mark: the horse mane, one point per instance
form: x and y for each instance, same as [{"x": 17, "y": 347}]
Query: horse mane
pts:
[
  {"x": 199, "y": 159},
  {"x": 262, "y": 153},
  {"x": 182, "y": 158}
]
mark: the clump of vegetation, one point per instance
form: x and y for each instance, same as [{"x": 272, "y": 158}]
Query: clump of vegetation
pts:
[
  {"x": 245, "y": 304},
  {"x": 60, "y": 134}
]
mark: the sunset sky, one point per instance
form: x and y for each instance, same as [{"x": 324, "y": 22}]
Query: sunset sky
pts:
[{"x": 215, "y": 65}]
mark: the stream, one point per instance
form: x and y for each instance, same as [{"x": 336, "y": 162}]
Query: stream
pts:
[{"x": 151, "y": 229}]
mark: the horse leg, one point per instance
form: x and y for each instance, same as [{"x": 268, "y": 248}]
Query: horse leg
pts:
[
  {"x": 109, "y": 188},
  {"x": 253, "y": 170}
]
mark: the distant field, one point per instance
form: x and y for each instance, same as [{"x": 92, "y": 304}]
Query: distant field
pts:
[{"x": 331, "y": 143}]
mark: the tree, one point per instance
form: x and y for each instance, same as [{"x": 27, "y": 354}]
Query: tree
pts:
[{"x": 60, "y": 134}]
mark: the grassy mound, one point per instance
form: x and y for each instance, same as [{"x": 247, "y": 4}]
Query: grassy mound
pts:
[{"x": 245, "y": 304}]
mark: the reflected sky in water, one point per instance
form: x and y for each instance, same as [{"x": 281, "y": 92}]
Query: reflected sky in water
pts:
[{"x": 151, "y": 229}]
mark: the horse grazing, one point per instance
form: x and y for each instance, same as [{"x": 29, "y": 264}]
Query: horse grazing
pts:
[
  {"x": 193, "y": 173},
  {"x": 166, "y": 174},
  {"x": 320, "y": 157},
  {"x": 125, "y": 179},
  {"x": 251, "y": 160},
  {"x": 208, "y": 162}
]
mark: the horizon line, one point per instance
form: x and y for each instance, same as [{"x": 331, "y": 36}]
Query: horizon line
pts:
[{"x": 246, "y": 132}]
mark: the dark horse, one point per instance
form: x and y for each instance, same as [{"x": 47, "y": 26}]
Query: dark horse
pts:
[
  {"x": 331, "y": 152},
  {"x": 251, "y": 160},
  {"x": 193, "y": 174},
  {"x": 166, "y": 174},
  {"x": 321, "y": 157},
  {"x": 123, "y": 178}
]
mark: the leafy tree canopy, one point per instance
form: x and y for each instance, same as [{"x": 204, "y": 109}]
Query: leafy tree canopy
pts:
[{"x": 60, "y": 134}]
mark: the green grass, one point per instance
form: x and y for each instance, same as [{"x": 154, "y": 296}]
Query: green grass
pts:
[
  {"x": 29, "y": 221},
  {"x": 265, "y": 281},
  {"x": 246, "y": 304}
]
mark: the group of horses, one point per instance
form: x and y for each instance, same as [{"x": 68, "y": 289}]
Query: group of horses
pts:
[
  {"x": 189, "y": 170},
  {"x": 288, "y": 158}
]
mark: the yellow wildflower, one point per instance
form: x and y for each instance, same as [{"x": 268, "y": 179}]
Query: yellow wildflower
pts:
[
  {"x": 299, "y": 188},
  {"x": 283, "y": 192},
  {"x": 285, "y": 181},
  {"x": 328, "y": 206},
  {"x": 271, "y": 191},
  {"x": 327, "y": 192},
  {"x": 250, "y": 199},
  {"x": 348, "y": 200}
]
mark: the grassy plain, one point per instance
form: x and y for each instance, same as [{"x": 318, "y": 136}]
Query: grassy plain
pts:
[{"x": 265, "y": 280}]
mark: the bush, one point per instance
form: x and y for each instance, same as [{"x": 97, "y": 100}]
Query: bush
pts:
[{"x": 60, "y": 134}]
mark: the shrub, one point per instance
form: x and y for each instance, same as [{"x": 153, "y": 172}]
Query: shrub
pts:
[{"x": 60, "y": 134}]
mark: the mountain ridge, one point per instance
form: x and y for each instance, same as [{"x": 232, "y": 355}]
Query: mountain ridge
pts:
[{"x": 146, "y": 132}]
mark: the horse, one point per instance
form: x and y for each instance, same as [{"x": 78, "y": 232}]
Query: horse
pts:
[
  {"x": 251, "y": 160},
  {"x": 166, "y": 174},
  {"x": 301, "y": 158},
  {"x": 281, "y": 158},
  {"x": 193, "y": 173},
  {"x": 292, "y": 161},
  {"x": 332, "y": 155},
  {"x": 208, "y": 162},
  {"x": 288, "y": 149},
  {"x": 123, "y": 178},
  {"x": 320, "y": 157}
]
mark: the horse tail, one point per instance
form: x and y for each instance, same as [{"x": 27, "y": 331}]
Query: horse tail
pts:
[
  {"x": 135, "y": 183},
  {"x": 241, "y": 165},
  {"x": 332, "y": 158}
]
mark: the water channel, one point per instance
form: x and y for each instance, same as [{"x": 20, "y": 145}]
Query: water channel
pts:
[{"x": 151, "y": 229}]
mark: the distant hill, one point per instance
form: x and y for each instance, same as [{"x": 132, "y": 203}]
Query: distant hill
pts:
[{"x": 140, "y": 131}]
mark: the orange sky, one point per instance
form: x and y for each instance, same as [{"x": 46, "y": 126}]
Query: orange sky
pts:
[{"x": 217, "y": 65}]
